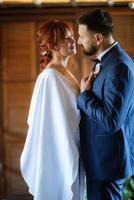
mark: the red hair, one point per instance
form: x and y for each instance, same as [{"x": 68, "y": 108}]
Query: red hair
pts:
[{"x": 48, "y": 37}]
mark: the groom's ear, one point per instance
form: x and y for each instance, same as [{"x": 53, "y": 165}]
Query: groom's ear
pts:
[{"x": 99, "y": 38}]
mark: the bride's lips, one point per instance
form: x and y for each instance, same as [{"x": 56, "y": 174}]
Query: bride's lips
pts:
[{"x": 72, "y": 47}]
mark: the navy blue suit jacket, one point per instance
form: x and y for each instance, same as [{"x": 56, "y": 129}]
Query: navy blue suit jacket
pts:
[{"x": 107, "y": 119}]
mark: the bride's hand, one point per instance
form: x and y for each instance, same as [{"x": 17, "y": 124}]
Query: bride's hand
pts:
[{"x": 86, "y": 82}]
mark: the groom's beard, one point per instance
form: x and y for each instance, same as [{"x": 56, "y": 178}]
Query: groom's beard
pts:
[{"x": 91, "y": 51}]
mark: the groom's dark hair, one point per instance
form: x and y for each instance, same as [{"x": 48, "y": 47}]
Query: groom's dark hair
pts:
[{"x": 97, "y": 21}]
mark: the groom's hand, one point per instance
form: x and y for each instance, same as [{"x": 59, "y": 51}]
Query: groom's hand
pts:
[{"x": 86, "y": 82}]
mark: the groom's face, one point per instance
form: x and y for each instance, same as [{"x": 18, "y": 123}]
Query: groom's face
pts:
[{"x": 87, "y": 40}]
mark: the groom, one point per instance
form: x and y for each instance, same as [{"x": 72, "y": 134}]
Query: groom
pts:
[{"x": 106, "y": 103}]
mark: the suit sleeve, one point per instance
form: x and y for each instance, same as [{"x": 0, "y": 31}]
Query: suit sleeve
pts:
[{"x": 112, "y": 110}]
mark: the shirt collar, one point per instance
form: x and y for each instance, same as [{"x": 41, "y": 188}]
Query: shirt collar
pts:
[{"x": 106, "y": 50}]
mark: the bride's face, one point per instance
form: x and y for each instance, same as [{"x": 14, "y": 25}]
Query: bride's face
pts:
[{"x": 68, "y": 46}]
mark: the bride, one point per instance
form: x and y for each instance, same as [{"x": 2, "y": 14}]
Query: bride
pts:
[{"x": 50, "y": 162}]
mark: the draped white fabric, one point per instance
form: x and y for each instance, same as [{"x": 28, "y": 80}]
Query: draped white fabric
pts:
[{"x": 50, "y": 158}]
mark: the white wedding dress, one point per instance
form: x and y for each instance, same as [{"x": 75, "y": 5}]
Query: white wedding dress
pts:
[{"x": 50, "y": 159}]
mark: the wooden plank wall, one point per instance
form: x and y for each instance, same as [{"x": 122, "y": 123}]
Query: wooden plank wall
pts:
[
  {"x": 1, "y": 129},
  {"x": 19, "y": 67},
  {"x": 19, "y": 73}
]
